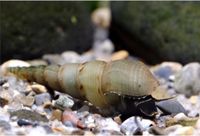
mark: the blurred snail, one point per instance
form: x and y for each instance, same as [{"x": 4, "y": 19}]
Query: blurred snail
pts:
[{"x": 125, "y": 85}]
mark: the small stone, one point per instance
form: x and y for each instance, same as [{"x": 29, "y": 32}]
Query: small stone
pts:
[
  {"x": 181, "y": 119},
  {"x": 166, "y": 69},
  {"x": 47, "y": 129},
  {"x": 43, "y": 98},
  {"x": 198, "y": 124},
  {"x": 25, "y": 100},
  {"x": 171, "y": 106},
  {"x": 187, "y": 81},
  {"x": 37, "y": 131},
  {"x": 77, "y": 132},
  {"x": 118, "y": 120},
  {"x": 63, "y": 102},
  {"x": 101, "y": 17},
  {"x": 37, "y": 62},
  {"x": 87, "y": 56},
  {"x": 23, "y": 122},
  {"x": 69, "y": 117},
  {"x": 135, "y": 125},
  {"x": 2, "y": 80},
  {"x": 37, "y": 88},
  {"x": 29, "y": 115},
  {"x": 103, "y": 49},
  {"x": 193, "y": 99},
  {"x": 56, "y": 114},
  {"x": 184, "y": 131},
  {"x": 54, "y": 59},
  {"x": 70, "y": 56},
  {"x": 12, "y": 63},
  {"x": 5, "y": 97},
  {"x": 89, "y": 133},
  {"x": 47, "y": 105},
  {"x": 181, "y": 116},
  {"x": 171, "y": 129},
  {"x": 119, "y": 55},
  {"x": 157, "y": 130},
  {"x": 3, "y": 102},
  {"x": 5, "y": 125},
  {"x": 106, "y": 124}
]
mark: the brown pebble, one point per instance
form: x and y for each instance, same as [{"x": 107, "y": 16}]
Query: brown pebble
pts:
[
  {"x": 57, "y": 129},
  {"x": 122, "y": 54},
  {"x": 56, "y": 114},
  {"x": 118, "y": 120},
  {"x": 47, "y": 105},
  {"x": 25, "y": 100},
  {"x": 6, "y": 96},
  {"x": 37, "y": 88},
  {"x": 3, "y": 102}
]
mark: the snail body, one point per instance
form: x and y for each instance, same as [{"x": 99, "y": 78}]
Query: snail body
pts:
[{"x": 101, "y": 83}]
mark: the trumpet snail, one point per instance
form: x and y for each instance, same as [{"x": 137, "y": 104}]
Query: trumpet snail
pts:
[{"x": 124, "y": 84}]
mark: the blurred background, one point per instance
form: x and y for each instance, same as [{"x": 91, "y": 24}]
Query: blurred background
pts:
[{"x": 151, "y": 31}]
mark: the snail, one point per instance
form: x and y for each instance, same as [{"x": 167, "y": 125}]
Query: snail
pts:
[{"x": 126, "y": 85}]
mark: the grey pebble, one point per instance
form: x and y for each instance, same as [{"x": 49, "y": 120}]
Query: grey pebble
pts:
[
  {"x": 42, "y": 98},
  {"x": 134, "y": 125},
  {"x": 63, "y": 102},
  {"x": 187, "y": 81},
  {"x": 29, "y": 115},
  {"x": 5, "y": 125}
]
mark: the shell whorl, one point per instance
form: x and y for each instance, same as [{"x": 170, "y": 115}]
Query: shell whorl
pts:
[{"x": 92, "y": 80}]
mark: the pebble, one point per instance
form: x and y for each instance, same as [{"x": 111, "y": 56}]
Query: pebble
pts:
[
  {"x": 25, "y": 100},
  {"x": 87, "y": 56},
  {"x": 166, "y": 69},
  {"x": 3, "y": 102},
  {"x": 171, "y": 106},
  {"x": 69, "y": 118},
  {"x": 55, "y": 59},
  {"x": 171, "y": 129},
  {"x": 56, "y": 114},
  {"x": 5, "y": 97},
  {"x": 5, "y": 125},
  {"x": 37, "y": 62},
  {"x": 134, "y": 125},
  {"x": 89, "y": 133},
  {"x": 23, "y": 122},
  {"x": 194, "y": 99},
  {"x": 63, "y": 102},
  {"x": 103, "y": 50},
  {"x": 47, "y": 129},
  {"x": 29, "y": 115},
  {"x": 106, "y": 124},
  {"x": 119, "y": 55},
  {"x": 37, "y": 88},
  {"x": 181, "y": 119},
  {"x": 187, "y": 81},
  {"x": 156, "y": 130},
  {"x": 70, "y": 56},
  {"x": 198, "y": 124},
  {"x": 101, "y": 17},
  {"x": 37, "y": 131},
  {"x": 181, "y": 116},
  {"x": 183, "y": 131},
  {"x": 43, "y": 98},
  {"x": 118, "y": 120}
]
